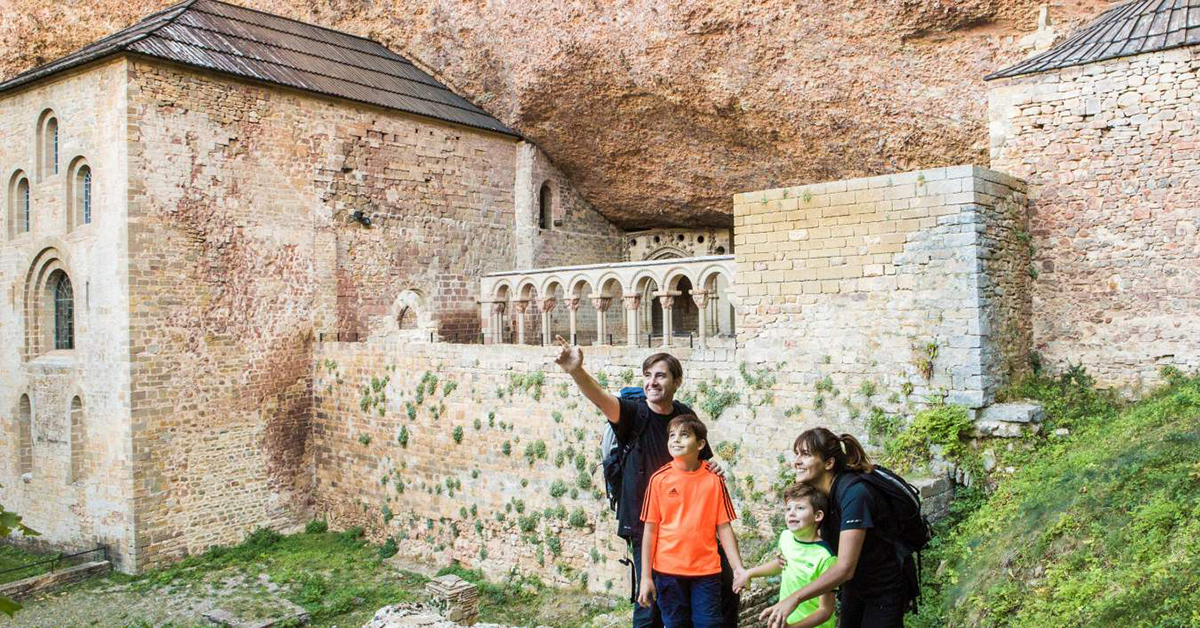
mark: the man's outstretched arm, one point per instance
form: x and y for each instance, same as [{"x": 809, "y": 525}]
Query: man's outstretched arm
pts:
[{"x": 570, "y": 359}]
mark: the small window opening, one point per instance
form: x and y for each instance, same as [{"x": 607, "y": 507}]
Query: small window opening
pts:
[
  {"x": 545, "y": 209},
  {"x": 23, "y": 206},
  {"x": 84, "y": 194}
]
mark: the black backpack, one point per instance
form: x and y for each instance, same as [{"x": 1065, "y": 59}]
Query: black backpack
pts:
[
  {"x": 905, "y": 526},
  {"x": 616, "y": 454}
]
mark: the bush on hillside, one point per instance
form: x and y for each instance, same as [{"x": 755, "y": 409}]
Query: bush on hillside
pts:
[{"x": 1101, "y": 528}]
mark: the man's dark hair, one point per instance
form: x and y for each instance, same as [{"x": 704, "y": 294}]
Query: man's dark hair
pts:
[
  {"x": 818, "y": 501},
  {"x": 691, "y": 423},
  {"x": 673, "y": 365}
]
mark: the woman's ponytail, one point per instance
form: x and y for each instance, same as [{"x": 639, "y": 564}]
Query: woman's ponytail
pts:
[{"x": 856, "y": 457}]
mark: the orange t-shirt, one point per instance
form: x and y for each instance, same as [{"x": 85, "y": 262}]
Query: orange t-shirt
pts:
[{"x": 687, "y": 507}]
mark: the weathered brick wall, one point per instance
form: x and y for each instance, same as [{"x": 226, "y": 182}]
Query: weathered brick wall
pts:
[
  {"x": 72, "y": 511},
  {"x": 243, "y": 247},
  {"x": 899, "y": 282},
  {"x": 1108, "y": 150}
]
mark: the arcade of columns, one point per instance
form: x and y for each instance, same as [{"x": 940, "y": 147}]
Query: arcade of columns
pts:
[{"x": 708, "y": 281}]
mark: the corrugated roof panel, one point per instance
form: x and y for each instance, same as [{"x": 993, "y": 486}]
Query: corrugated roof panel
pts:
[
  {"x": 243, "y": 42},
  {"x": 1131, "y": 28}
]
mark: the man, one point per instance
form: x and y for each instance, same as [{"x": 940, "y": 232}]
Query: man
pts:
[{"x": 644, "y": 423}]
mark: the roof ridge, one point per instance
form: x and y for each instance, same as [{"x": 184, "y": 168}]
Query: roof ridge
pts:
[
  {"x": 1129, "y": 28},
  {"x": 295, "y": 21},
  {"x": 435, "y": 84},
  {"x": 342, "y": 78},
  {"x": 395, "y": 56}
]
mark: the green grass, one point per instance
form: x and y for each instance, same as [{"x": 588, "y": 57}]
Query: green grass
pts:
[
  {"x": 1101, "y": 528},
  {"x": 12, "y": 557},
  {"x": 336, "y": 576}
]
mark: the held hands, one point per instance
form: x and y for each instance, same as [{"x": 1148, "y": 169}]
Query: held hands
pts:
[
  {"x": 646, "y": 593},
  {"x": 741, "y": 580},
  {"x": 570, "y": 357}
]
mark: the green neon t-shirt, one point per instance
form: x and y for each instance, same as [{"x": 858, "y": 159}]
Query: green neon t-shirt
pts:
[{"x": 805, "y": 562}]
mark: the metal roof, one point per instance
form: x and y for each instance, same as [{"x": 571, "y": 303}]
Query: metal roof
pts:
[
  {"x": 1124, "y": 30},
  {"x": 235, "y": 40}
]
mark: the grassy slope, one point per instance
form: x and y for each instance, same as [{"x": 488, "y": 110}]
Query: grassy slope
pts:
[{"x": 1099, "y": 529}]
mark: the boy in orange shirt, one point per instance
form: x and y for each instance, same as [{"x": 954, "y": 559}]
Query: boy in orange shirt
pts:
[{"x": 686, "y": 511}]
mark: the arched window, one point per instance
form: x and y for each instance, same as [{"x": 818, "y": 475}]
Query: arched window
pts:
[
  {"x": 64, "y": 313},
  {"x": 23, "y": 206},
  {"x": 85, "y": 187},
  {"x": 79, "y": 193},
  {"x": 24, "y": 436},
  {"x": 545, "y": 207},
  {"x": 78, "y": 441},
  {"x": 47, "y": 145},
  {"x": 52, "y": 146}
]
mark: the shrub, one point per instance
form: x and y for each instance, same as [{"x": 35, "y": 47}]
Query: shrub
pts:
[
  {"x": 457, "y": 434},
  {"x": 388, "y": 549},
  {"x": 316, "y": 526},
  {"x": 558, "y": 488},
  {"x": 578, "y": 519}
]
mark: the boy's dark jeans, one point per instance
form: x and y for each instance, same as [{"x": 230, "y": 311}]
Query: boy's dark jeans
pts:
[
  {"x": 690, "y": 601},
  {"x": 652, "y": 618}
]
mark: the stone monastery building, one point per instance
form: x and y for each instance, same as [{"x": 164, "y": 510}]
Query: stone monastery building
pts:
[{"x": 257, "y": 271}]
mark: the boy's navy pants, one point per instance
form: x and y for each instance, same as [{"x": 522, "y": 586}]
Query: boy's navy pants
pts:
[{"x": 689, "y": 601}]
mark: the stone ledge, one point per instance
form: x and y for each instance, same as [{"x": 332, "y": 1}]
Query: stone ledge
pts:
[{"x": 47, "y": 581}]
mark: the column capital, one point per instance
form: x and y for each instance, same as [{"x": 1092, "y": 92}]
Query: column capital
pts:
[
  {"x": 667, "y": 300},
  {"x": 632, "y": 302},
  {"x": 498, "y": 307},
  {"x": 701, "y": 298},
  {"x": 521, "y": 305},
  {"x": 601, "y": 303},
  {"x": 573, "y": 303},
  {"x": 548, "y": 304}
]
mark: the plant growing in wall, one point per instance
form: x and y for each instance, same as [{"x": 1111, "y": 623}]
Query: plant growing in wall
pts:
[
  {"x": 364, "y": 439},
  {"x": 578, "y": 519},
  {"x": 925, "y": 355},
  {"x": 558, "y": 488},
  {"x": 506, "y": 448},
  {"x": 717, "y": 396},
  {"x": 457, "y": 434},
  {"x": 402, "y": 437},
  {"x": 449, "y": 387}
]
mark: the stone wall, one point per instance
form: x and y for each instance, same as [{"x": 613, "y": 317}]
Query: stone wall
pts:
[
  {"x": 74, "y": 506},
  {"x": 387, "y": 457},
  {"x": 1109, "y": 152},
  {"x": 244, "y": 246},
  {"x": 483, "y": 454},
  {"x": 910, "y": 283}
]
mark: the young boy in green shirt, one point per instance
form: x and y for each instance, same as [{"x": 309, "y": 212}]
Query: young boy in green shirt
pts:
[{"x": 803, "y": 556}]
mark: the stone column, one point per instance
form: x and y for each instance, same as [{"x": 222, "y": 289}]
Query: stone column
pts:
[
  {"x": 547, "y": 307},
  {"x": 632, "y": 305},
  {"x": 572, "y": 308},
  {"x": 521, "y": 305},
  {"x": 497, "y": 323},
  {"x": 701, "y": 299},
  {"x": 667, "y": 301},
  {"x": 601, "y": 304}
]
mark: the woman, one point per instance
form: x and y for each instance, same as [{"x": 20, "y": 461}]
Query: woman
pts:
[{"x": 874, "y": 592}]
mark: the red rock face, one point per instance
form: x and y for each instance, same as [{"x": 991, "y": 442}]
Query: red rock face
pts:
[{"x": 660, "y": 111}]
